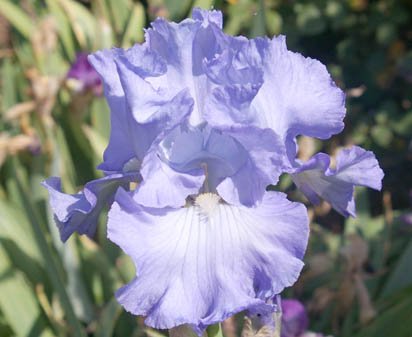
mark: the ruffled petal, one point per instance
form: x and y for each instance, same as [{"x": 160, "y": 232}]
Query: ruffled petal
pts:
[
  {"x": 218, "y": 154},
  {"x": 174, "y": 43},
  {"x": 236, "y": 75},
  {"x": 298, "y": 96},
  {"x": 119, "y": 150},
  {"x": 80, "y": 212},
  {"x": 133, "y": 132},
  {"x": 162, "y": 186},
  {"x": 354, "y": 167},
  {"x": 265, "y": 163},
  {"x": 200, "y": 264},
  {"x": 207, "y": 16},
  {"x": 228, "y": 159},
  {"x": 128, "y": 140},
  {"x": 147, "y": 102},
  {"x": 167, "y": 69},
  {"x": 359, "y": 167}
]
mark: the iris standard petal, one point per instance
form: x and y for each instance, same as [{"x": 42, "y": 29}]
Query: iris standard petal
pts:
[
  {"x": 298, "y": 96},
  {"x": 162, "y": 186},
  {"x": 354, "y": 166},
  {"x": 191, "y": 68},
  {"x": 265, "y": 162},
  {"x": 208, "y": 16},
  {"x": 174, "y": 44},
  {"x": 129, "y": 139},
  {"x": 80, "y": 212},
  {"x": 218, "y": 154},
  {"x": 200, "y": 264},
  {"x": 148, "y": 102},
  {"x": 184, "y": 47},
  {"x": 238, "y": 163},
  {"x": 236, "y": 75},
  {"x": 119, "y": 150}
]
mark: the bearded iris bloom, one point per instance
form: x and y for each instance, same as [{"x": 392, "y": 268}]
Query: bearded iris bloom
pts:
[{"x": 204, "y": 122}]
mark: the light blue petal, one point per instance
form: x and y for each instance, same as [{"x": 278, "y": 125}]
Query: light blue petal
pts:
[
  {"x": 119, "y": 150},
  {"x": 265, "y": 163},
  {"x": 298, "y": 96},
  {"x": 147, "y": 102},
  {"x": 216, "y": 153},
  {"x": 354, "y": 167},
  {"x": 80, "y": 212},
  {"x": 128, "y": 139},
  {"x": 239, "y": 164},
  {"x": 236, "y": 73},
  {"x": 207, "y": 16},
  {"x": 162, "y": 186},
  {"x": 199, "y": 265}
]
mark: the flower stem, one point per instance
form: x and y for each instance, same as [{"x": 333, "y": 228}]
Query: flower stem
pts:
[
  {"x": 278, "y": 317},
  {"x": 278, "y": 324}
]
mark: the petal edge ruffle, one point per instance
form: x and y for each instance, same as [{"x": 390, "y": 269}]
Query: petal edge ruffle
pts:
[{"x": 199, "y": 268}]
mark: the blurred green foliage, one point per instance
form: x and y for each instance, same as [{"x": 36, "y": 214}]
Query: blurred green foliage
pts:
[{"x": 358, "y": 278}]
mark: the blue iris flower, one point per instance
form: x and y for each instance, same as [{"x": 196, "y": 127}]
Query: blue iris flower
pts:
[{"x": 204, "y": 122}]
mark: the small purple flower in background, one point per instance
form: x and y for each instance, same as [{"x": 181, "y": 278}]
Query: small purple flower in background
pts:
[
  {"x": 295, "y": 320},
  {"x": 406, "y": 219},
  {"x": 82, "y": 77},
  {"x": 204, "y": 122}
]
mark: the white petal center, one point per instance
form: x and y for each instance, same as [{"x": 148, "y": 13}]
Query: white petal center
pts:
[{"x": 207, "y": 202}]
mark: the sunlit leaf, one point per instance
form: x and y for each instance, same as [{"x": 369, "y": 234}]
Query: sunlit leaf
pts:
[
  {"x": 135, "y": 25},
  {"x": 18, "y": 302},
  {"x": 18, "y": 18}
]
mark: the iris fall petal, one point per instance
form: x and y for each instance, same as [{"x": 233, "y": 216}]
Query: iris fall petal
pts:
[{"x": 201, "y": 264}]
